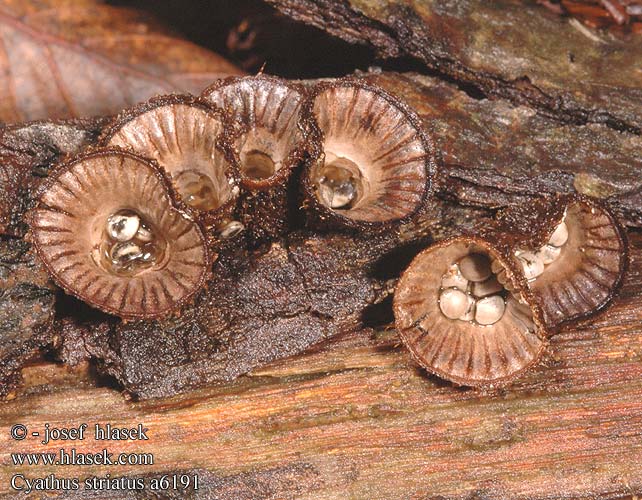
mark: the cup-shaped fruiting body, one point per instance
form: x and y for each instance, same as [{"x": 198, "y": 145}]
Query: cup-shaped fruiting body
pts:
[
  {"x": 184, "y": 137},
  {"x": 109, "y": 231},
  {"x": 459, "y": 322},
  {"x": 574, "y": 258},
  {"x": 268, "y": 145},
  {"x": 375, "y": 166}
]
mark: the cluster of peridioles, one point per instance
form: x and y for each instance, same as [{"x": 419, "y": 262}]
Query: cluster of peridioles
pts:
[
  {"x": 499, "y": 297},
  {"x": 535, "y": 262},
  {"x": 470, "y": 291},
  {"x": 130, "y": 244}
]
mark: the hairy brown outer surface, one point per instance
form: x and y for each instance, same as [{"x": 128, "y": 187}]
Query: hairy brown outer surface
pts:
[
  {"x": 356, "y": 419},
  {"x": 506, "y": 48}
]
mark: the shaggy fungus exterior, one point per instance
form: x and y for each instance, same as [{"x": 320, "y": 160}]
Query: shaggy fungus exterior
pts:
[
  {"x": 574, "y": 257},
  {"x": 269, "y": 144},
  {"x": 459, "y": 322},
  {"x": 185, "y": 137},
  {"x": 375, "y": 166},
  {"x": 110, "y": 233}
]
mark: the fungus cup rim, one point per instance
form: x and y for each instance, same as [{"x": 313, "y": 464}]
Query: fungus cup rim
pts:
[
  {"x": 237, "y": 128},
  {"x": 430, "y": 160},
  {"x": 208, "y": 217},
  {"x": 174, "y": 203},
  {"x": 518, "y": 282},
  {"x": 553, "y": 209}
]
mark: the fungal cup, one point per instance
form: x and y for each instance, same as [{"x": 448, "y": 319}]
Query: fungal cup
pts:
[
  {"x": 109, "y": 232},
  {"x": 459, "y": 322},
  {"x": 375, "y": 164},
  {"x": 575, "y": 258},
  {"x": 184, "y": 137},
  {"x": 268, "y": 144},
  {"x": 269, "y": 140}
]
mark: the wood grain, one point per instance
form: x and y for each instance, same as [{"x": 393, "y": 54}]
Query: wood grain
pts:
[
  {"x": 357, "y": 418},
  {"x": 507, "y": 48}
]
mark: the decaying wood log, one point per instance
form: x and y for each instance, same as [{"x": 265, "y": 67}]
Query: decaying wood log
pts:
[
  {"x": 358, "y": 419},
  {"x": 257, "y": 308},
  {"x": 26, "y": 309},
  {"x": 516, "y": 50},
  {"x": 495, "y": 154}
]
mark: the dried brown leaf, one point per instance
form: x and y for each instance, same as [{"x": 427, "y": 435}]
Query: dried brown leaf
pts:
[{"x": 73, "y": 58}]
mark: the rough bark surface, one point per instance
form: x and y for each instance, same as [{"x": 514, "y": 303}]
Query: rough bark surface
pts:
[
  {"x": 26, "y": 310},
  {"x": 511, "y": 49},
  {"x": 495, "y": 154},
  {"x": 259, "y": 307},
  {"x": 26, "y": 154}
]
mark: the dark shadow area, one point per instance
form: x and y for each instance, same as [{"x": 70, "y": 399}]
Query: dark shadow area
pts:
[
  {"x": 68, "y": 306},
  {"x": 255, "y": 36},
  {"x": 393, "y": 263},
  {"x": 380, "y": 314},
  {"x": 252, "y": 35},
  {"x": 104, "y": 380}
]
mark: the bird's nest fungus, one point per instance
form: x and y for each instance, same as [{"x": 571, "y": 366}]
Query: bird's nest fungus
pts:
[{"x": 133, "y": 227}]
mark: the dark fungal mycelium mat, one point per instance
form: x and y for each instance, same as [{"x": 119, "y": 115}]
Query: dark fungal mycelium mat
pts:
[{"x": 247, "y": 224}]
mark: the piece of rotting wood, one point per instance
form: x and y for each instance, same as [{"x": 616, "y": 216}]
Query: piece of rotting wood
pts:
[{"x": 358, "y": 417}]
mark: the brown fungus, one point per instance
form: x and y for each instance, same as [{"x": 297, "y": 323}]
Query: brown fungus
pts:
[
  {"x": 376, "y": 164},
  {"x": 109, "y": 232},
  {"x": 184, "y": 137},
  {"x": 573, "y": 252},
  {"x": 269, "y": 144},
  {"x": 459, "y": 322}
]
